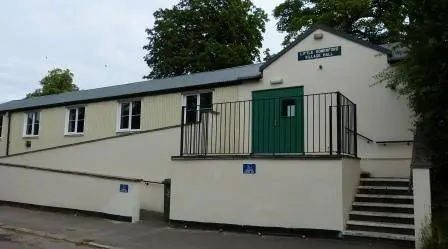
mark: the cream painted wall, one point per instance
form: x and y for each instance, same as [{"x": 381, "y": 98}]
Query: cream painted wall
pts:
[
  {"x": 351, "y": 172},
  {"x": 100, "y": 121},
  {"x": 4, "y": 134},
  {"x": 381, "y": 114},
  {"x": 158, "y": 111},
  {"x": 282, "y": 193},
  {"x": 69, "y": 191},
  {"x": 144, "y": 156}
]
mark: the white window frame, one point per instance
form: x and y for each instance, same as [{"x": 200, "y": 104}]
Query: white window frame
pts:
[
  {"x": 198, "y": 101},
  {"x": 130, "y": 115},
  {"x": 2, "y": 124},
  {"x": 67, "y": 117},
  {"x": 25, "y": 119}
]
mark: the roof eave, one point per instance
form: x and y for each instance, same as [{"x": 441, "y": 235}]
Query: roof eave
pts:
[{"x": 239, "y": 80}]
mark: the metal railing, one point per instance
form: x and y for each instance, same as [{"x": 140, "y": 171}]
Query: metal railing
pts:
[{"x": 314, "y": 124}]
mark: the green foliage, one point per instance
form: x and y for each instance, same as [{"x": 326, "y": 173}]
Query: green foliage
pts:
[
  {"x": 423, "y": 78},
  {"x": 377, "y": 21},
  {"x": 435, "y": 233},
  {"x": 267, "y": 54},
  {"x": 57, "y": 81},
  {"x": 202, "y": 35}
]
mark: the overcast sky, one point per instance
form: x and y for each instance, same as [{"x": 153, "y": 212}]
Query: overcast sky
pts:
[{"x": 99, "y": 40}]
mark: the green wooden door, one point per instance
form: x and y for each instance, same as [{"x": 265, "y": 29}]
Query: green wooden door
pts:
[{"x": 278, "y": 125}]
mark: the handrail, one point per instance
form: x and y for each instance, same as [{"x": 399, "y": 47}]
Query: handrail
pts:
[
  {"x": 395, "y": 142},
  {"x": 362, "y": 136}
]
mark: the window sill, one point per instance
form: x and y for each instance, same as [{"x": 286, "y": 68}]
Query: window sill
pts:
[
  {"x": 73, "y": 134},
  {"x": 128, "y": 131},
  {"x": 30, "y": 137}
]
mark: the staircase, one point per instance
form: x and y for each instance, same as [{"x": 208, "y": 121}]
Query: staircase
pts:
[{"x": 383, "y": 208}]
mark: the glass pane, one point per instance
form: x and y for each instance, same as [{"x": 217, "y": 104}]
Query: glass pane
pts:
[
  {"x": 71, "y": 126},
  {"x": 135, "y": 122},
  {"x": 136, "y": 108},
  {"x": 288, "y": 108},
  {"x": 206, "y": 100},
  {"x": 29, "y": 119},
  {"x": 72, "y": 114},
  {"x": 36, "y": 129},
  {"x": 81, "y": 112},
  {"x": 80, "y": 128},
  {"x": 1, "y": 125},
  {"x": 192, "y": 102},
  {"x": 36, "y": 117},
  {"x": 29, "y": 129},
  {"x": 124, "y": 122},
  {"x": 124, "y": 109},
  {"x": 191, "y": 116}
]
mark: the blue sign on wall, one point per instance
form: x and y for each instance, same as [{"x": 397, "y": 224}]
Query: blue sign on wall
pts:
[
  {"x": 249, "y": 169},
  {"x": 124, "y": 188}
]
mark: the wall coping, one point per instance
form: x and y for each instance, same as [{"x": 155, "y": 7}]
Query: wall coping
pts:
[
  {"x": 73, "y": 172},
  {"x": 275, "y": 157}
]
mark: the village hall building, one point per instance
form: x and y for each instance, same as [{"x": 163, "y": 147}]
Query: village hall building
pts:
[{"x": 307, "y": 140}]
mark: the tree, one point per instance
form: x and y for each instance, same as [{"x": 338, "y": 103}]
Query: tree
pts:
[
  {"x": 267, "y": 54},
  {"x": 377, "y": 21},
  {"x": 57, "y": 81},
  {"x": 423, "y": 78},
  {"x": 202, "y": 35}
]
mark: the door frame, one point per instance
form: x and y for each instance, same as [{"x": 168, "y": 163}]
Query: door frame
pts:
[{"x": 301, "y": 145}]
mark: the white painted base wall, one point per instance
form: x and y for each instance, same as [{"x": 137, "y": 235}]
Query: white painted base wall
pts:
[
  {"x": 144, "y": 156},
  {"x": 71, "y": 191},
  {"x": 151, "y": 197},
  {"x": 309, "y": 194},
  {"x": 422, "y": 202},
  {"x": 387, "y": 167}
]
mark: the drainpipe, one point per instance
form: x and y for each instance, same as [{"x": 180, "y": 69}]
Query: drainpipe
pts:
[{"x": 8, "y": 134}]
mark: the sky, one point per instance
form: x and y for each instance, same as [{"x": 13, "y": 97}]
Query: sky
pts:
[{"x": 100, "y": 41}]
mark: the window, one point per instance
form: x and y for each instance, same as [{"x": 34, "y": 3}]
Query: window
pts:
[
  {"x": 75, "y": 120},
  {"x": 130, "y": 115},
  {"x": 1, "y": 124},
  {"x": 288, "y": 107},
  {"x": 196, "y": 104},
  {"x": 31, "y": 126}
]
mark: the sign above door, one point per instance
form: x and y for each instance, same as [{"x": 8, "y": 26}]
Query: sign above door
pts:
[{"x": 319, "y": 53}]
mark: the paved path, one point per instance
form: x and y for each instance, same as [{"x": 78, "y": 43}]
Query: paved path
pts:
[
  {"x": 154, "y": 233},
  {"x": 17, "y": 240}
]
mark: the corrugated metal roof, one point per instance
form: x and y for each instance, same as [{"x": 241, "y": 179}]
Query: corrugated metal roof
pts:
[{"x": 229, "y": 75}]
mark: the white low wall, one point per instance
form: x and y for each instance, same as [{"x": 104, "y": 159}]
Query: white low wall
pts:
[
  {"x": 422, "y": 202},
  {"x": 309, "y": 194},
  {"x": 144, "y": 156},
  {"x": 72, "y": 191}
]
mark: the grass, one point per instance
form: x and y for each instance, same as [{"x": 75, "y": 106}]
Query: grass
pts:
[{"x": 435, "y": 235}]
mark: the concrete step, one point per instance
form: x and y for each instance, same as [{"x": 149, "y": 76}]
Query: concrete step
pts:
[
  {"x": 385, "y": 179},
  {"x": 384, "y": 190},
  {"x": 392, "y": 182},
  {"x": 383, "y": 214},
  {"x": 379, "y": 235},
  {"x": 381, "y": 227},
  {"x": 380, "y": 224},
  {"x": 378, "y": 204},
  {"x": 383, "y": 207},
  {"x": 400, "y": 218},
  {"x": 409, "y": 197},
  {"x": 399, "y": 199}
]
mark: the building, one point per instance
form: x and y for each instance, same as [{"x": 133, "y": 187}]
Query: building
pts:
[{"x": 278, "y": 144}]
